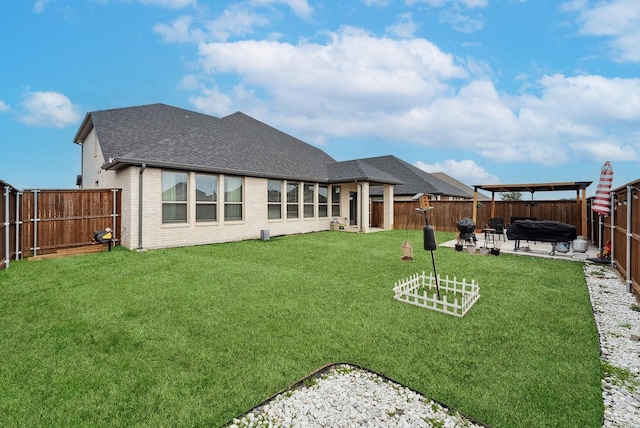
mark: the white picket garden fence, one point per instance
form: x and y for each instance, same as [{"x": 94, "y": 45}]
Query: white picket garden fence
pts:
[{"x": 420, "y": 290}]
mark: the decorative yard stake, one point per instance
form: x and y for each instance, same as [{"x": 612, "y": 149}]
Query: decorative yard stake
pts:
[{"x": 429, "y": 239}]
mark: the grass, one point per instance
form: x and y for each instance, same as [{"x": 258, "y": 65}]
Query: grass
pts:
[{"x": 196, "y": 336}]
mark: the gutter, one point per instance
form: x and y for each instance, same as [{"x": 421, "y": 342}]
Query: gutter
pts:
[{"x": 140, "y": 186}]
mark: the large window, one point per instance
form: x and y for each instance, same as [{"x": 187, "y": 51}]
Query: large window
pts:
[
  {"x": 292, "y": 200},
  {"x": 323, "y": 194},
  {"x": 174, "y": 197},
  {"x": 232, "y": 198},
  {"x": 309, "y": 190},
  {"x": 206, "y": 197},
  {"x": 335, "y": 201},
  {"x": 274, "y": 198}
]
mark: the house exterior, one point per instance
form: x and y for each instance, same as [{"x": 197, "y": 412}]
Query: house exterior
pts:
[{"x": 189, "y": 178}]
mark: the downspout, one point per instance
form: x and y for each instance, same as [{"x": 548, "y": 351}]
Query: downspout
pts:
[
  {"x": 140, "y": 182},
  {"x": 628, "y": 258},
  {"x": 6, "y": 227}
]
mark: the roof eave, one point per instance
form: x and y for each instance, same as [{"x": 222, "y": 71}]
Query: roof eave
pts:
[
  {"x": 84, "y": 129},
  {"x": 119, "y": 163}
]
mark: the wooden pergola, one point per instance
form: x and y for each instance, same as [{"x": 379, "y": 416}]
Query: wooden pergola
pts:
[{"x": 580, "y": 188}]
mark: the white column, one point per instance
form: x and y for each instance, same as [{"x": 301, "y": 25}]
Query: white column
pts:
[
  {"x": 387, "y": 207},
  {"x": 364, "y": 201}
]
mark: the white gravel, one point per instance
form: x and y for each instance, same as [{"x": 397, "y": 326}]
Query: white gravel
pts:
[
  {"x": 346, "y": 396},
  {"x": 618, "y": 323}
]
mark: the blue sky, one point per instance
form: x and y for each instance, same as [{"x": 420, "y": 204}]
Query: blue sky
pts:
[{"x": 488, "y": 91}]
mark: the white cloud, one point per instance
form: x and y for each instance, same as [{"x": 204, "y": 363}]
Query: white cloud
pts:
[
  {"x": 300, "y": 7},
  {"x": 49, "y": 109},
  {"x": 212, "y": 101},
  {"x": 405, "y": 27},
  {"x": 461, "y": 21},
  {"x": 348, "y": 87},
  {"x": 616, "y": 20},
  {"x": 609, "y": 150},
  {"x": 351, "y": 73},
  {"x": 178, "y": 32},
  {"x": 4, "y": 107},
  {"x": 38, "y": 6},
  {"x": 377, "y": 3},
  {"x": 235, "y": 21},
  {"x": 170, "y": 4},
  {"x": 470, "y": 4},
  {"x": 466, "y": 171}
]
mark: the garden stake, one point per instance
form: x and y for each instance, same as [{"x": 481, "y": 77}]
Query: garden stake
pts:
[{"x": 429, "y": 241}]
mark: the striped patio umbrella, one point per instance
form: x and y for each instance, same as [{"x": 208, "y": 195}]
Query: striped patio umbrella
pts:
[{"x": 601, "y": 203}]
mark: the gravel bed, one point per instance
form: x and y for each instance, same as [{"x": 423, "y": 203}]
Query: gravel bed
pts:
[
  {"x": 616, "y": 313},
  {"x": 348, "y": 396}
]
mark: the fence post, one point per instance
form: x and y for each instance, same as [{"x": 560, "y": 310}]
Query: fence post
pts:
[
  {"x": 7, "y": 193},
  {"x": 628, "y": 258},
  {"x": 35, "y": 223},
  {"x": 18, "y": 224},
  {"x": 113, "y": 215}
]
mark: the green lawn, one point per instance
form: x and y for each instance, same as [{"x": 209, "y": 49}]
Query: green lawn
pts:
[{"x": 196, "y": 336}]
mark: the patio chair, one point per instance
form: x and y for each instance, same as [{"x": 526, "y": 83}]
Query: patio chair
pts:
[{"x": 497, "y": 224}]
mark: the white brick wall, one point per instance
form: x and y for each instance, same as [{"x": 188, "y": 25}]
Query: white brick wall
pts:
[{"x": 159, "y": 235}]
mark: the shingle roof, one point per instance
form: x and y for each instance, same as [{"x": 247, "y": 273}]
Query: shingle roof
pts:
[
  {"x": 415, "y": 180},
  {"x": 460, "y": 185},
  {"x": 164, "y": 136},
  {"x": 359, "y": 170}
]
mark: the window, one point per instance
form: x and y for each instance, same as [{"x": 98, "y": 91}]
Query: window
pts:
[
  {"x": 232, "y": 198},
  {"x": 174, "y": 197},
  {"x": 323, "y": 193},
  {"x": 335, "y": 201},
  {"x": 292, "y": 200},
  {"x": 308, "y": 200},
  {"x": 274, "y": 198},
  {"x": 206, "y": 197}
]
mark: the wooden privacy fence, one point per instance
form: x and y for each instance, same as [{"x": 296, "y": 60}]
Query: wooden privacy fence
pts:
[
  {"x": 446, "y": 214},
  {"x": 39, "y": 222},
  {"x": 622, "y": 230}
]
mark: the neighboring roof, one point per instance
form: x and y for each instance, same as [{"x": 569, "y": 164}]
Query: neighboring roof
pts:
[
  {"x": 533, "y": 187},
  {"x": 459, "y": 184},
  {"x": 359, "y": 170},
  {"x": 415, "y": 180},
  {"x": 169, "y": 137}
]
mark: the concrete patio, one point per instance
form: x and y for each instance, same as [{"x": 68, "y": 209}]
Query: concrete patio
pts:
[{"x": 529, "y": 248}]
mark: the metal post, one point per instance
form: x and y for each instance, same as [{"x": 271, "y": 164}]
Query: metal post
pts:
[
  {"x": 35, "y": 222},
  {"x": 18, "y": 224},
  {"x": 113, "y": 216},
  {"x": 612, "y": 220},
  {"x": 6, "y": 227},
  {"x": 628, "y": 258}
]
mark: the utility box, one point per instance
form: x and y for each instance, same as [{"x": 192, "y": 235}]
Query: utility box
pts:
[{"x": 264, "y": 235}]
